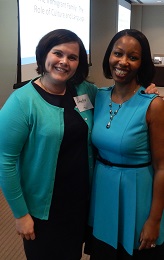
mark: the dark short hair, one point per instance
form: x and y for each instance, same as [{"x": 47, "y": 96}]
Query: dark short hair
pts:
[
  {"x": 57, "y": 37},
  {"x": 147, "y": 69}
]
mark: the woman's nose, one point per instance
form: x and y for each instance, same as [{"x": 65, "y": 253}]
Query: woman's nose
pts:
[
  {"x": 64, "y": 60},
  {"x": 123, "y": 61}
]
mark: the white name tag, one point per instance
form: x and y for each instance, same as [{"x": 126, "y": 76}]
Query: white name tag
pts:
[{"x": 83, "y": 102}]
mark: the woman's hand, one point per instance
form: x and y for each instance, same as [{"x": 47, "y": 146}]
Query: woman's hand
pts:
[
  {"x": 152, "y": 89},
  {"x": 25, "y": 227},
  {"x": 149, "y": 234}
]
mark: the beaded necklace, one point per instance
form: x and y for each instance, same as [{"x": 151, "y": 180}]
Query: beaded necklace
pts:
[
  {"x": 114, "y": 113},
  {"x": 111, "y": 112}
]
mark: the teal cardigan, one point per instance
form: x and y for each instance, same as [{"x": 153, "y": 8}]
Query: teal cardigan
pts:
[{"x": 31, "y": 134}]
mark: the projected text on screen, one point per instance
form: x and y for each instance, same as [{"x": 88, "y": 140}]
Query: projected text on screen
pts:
[{"x": 38, "y": 17}]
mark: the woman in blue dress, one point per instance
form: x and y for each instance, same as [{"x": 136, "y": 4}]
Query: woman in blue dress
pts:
[{"x": 127, "y": 201}]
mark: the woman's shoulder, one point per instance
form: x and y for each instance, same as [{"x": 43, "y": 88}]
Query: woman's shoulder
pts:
[
  {"x": 109, "y": 88},
  {"x": 103, "y": 91},
  {"x": 21, "y": 97},
  {"x": 87, "y": 84},
  {"x": 157, "y": 104},
  {"x": 87, "y": 87},
  {"x": 155, "y": 110},
  {"x": 27, "y": 88},
  {"x": 141, "y": 93},
  {"x": 26, "y": 92}
]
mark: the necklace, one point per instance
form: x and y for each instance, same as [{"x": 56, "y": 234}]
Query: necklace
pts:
[
  {"x": 111, "y": 112},
  {"x": 49, "y": 91},
  {"x": 114, "y": 113}
]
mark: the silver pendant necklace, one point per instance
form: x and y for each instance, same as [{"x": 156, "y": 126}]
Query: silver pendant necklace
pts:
[
  {"x": 111, "y": 112},
  {"x": 114, "y": 113}
]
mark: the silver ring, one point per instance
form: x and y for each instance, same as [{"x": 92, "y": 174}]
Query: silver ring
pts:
[{"x": 153, "y": 245}]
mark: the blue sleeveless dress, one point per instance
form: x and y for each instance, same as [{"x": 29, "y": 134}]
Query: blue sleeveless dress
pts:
[{"x": 121, "y": 197}]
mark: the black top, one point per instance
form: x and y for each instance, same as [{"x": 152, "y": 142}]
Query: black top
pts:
[{"x": 69, "y": 207}]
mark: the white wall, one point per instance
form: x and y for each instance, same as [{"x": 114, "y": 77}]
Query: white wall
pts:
[
  {"x": 8, "y": 47},
  {"x": 103, "y": 28},
  {"x": 150, "y": 20}
]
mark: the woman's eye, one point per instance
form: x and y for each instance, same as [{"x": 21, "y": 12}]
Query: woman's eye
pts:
[
  {"x": 117, "y": 54},
  {"x": 58, "y": 54},
  {"x": 133, "y": 58},
  {"x": 72, "y": 58}
]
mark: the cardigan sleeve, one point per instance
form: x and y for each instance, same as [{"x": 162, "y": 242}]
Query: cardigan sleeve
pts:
[{"x": 14, "y": 129}]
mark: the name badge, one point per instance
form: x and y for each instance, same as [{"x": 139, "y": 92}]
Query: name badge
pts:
[{"x": 83, "y": 102}]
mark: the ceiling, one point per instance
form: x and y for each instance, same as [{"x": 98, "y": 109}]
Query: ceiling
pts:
[{"x": 148, "y": 2}]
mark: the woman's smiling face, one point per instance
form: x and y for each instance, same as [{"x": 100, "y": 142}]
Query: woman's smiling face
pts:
[
  {"x": 62, "y": 62},
  {"x": 125, "y": 59}
]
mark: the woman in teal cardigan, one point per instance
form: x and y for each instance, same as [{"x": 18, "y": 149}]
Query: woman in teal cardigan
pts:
[{"x": 46, "y": 156}]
